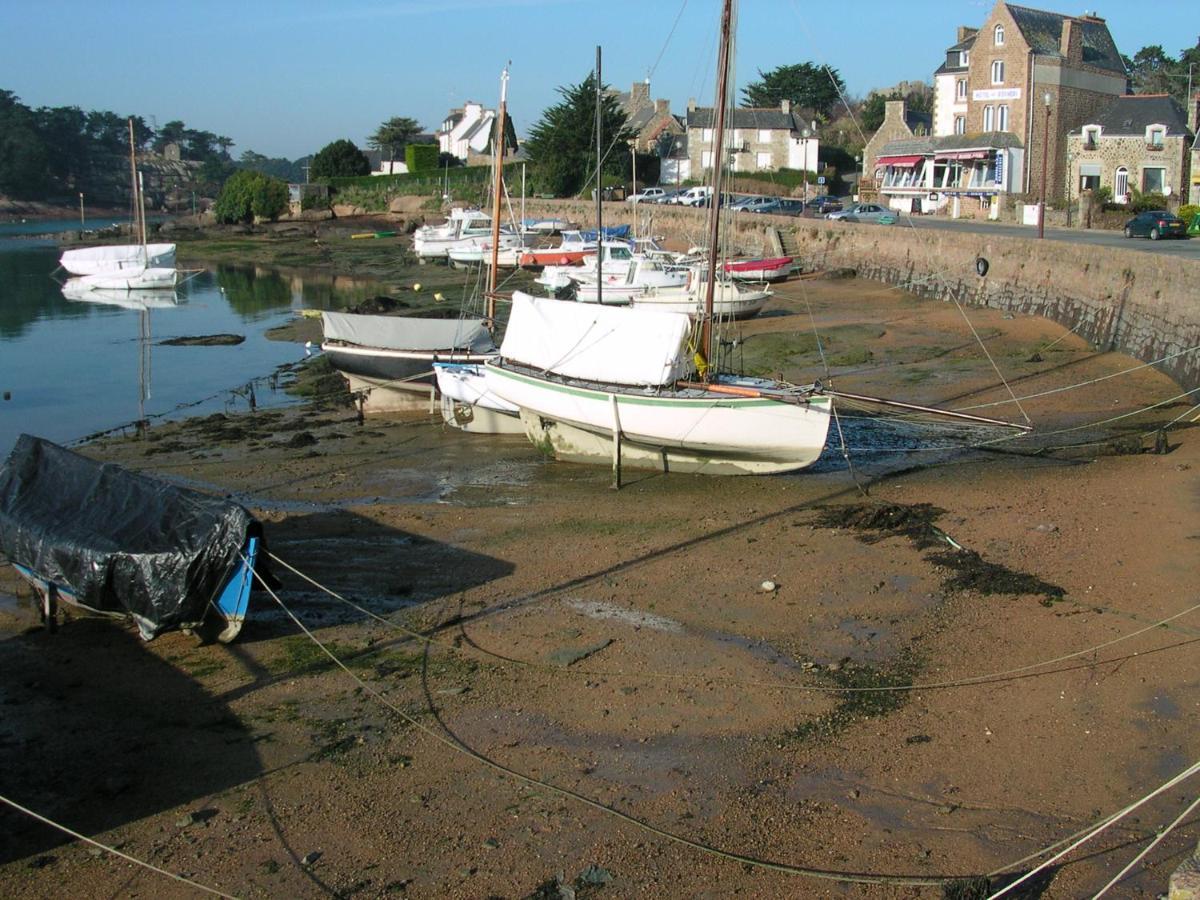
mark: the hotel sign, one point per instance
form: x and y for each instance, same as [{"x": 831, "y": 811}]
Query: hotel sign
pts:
[{"x": 997, "y": 94}]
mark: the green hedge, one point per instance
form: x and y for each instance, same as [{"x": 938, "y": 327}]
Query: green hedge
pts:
[
  {"x": 460, "y": 175},
  {"x": 421, "y": 158}
]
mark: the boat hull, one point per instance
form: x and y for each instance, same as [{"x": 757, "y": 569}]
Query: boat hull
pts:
[
  {"x": 114, "y": 259},
  {"x": 696, "y": 431},
  {"x": 467, "y": 404},
  {"x": 731, "y": 303},
  {"x": 157, "y": 279}
]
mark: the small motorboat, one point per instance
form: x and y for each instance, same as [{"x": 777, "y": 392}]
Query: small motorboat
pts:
[{"x": 775, "y": 268}]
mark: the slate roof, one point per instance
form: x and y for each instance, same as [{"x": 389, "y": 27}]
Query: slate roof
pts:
[
  {"x": 773, "y": 119},
  {"x": 1131, "y": 114},
  {"x": 925, "y": 146},
  {"x": 918, "y": 120},
  {"x": 965, "y": 44},
  {"x": 1043, "y": 32}
]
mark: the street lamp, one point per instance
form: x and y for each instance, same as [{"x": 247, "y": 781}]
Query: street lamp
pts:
[
  {"x": 1046, "y": 98},
  {"x": 805, "y": 134},
  {"x": 858, "y": 176}
]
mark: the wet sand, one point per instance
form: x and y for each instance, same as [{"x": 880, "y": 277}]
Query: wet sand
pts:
[{"x": 620, "y": 645}]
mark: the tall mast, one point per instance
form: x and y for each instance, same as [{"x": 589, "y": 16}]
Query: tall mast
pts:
[
  {"x": 139, "y": 226},
  {"x": 497, "y": 185},
  {"x": 714, "y": 207},
  {"x": 599, "y": 191}
]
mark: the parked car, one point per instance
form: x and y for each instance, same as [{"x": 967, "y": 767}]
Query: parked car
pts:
[
  {"x": 668, "y": 197},
  {"x": 754, "y": 204},
  {"x": 822, "y": 205},
  {"x": 866, "y": 212},
  {"x": 651, "y": 193},
  {"x": 1155, "y": 224},
  {"x": 696, "y": 196}
]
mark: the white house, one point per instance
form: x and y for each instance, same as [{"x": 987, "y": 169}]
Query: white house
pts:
[
  {"x": 467, "y": 131},
  {"x": 950, "y": 85}
]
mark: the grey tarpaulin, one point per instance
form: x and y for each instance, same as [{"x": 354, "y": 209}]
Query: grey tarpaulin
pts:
[{"x": 119, "y": 540}]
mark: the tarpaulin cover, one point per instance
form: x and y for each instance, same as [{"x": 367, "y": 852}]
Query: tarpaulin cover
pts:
[
  {"x": 612, "y": 344},
  {"x": 408, "y": 333},
  {"x": 118, "y": 540}
]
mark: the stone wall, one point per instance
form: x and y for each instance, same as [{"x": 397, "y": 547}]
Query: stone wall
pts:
[{"x": 1144, "y": 304}]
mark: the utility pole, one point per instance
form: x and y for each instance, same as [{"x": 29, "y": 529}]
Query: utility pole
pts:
[
  {"x": 81, "y": 225},
  {"x": 1045, "y": 165}
]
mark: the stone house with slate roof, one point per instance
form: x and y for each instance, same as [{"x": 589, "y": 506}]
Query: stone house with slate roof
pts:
[
  {"x": 466, "y": 133},
  {"x": 649, "y": 119},
  {"x": 758, "y": 139},
  {"x": 1141, "y": 142},
  {"x": 899, "y": 124},
  {"x": 1029, "y": 75}
]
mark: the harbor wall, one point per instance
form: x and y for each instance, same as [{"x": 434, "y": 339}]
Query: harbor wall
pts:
[{"x": 1144, "y": 304}]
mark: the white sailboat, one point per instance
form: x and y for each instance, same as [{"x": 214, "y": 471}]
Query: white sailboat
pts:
[{"x": 123, "y": 259}]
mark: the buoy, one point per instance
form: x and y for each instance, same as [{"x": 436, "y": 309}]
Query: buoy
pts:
[
  {"x": 417, "y": 286},
  {"x": 438, "y": 298},
  {"x": 768, "y": 586},
  {"x": 563, "y": 261}
]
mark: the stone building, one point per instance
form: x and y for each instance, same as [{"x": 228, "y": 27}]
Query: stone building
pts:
[
  {"x": 1037, "y": 75},
  {"x": 466, "y": 133},
  {"x": 650, "y": 120},
  {"x": 758, "y": 140},
  {"x": 899, "y": 124},
  {"x": 1140, "y": 142}
]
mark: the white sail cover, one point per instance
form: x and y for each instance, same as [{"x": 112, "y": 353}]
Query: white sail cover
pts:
[
  {"x": 597, "y": 343},
  {"x": 402, "y": 333},
  {"x": 113, "y": 258}
]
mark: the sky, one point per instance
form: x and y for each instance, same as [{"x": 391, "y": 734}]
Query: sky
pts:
[{"x": 286, "y": 77}]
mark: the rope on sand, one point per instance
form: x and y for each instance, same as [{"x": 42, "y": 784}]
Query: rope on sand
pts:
[{"x": 113, "y": 850}]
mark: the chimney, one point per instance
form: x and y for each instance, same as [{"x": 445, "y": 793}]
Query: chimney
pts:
[
  {"x": 639, "y": 94},
  {"x": 691, "y": 104},
  {"x": 662, "y": 107},
  {"x": 893, "y": 111},
  {"x": 785, "y": 106},
  {"x": 1091, "y": 17},
  {"x": 964, "y": 32},
  {"x": 1071, "y": 42}
]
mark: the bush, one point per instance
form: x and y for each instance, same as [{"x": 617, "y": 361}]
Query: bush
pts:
[
  {"x": 1142, "y": 202},
  {"x": 341, "y": 158},
  {"x": 1189, "y": 212},
  {"x": 248, "y": 194},
  {"x": 421, "y": 157}
]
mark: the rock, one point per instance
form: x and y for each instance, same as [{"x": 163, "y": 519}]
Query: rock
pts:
[
  {"x": 186, "y": 821},
  {"x": 594, "y": 875},
  {"x": 310, "y": 858},
  {"x": 1046, "y": 528},
  {"x": 204, "y": 340},
  {"x": 406, "y": 204},
  {"x": 1184, "y": 883},
  {"x": 491, "y": 844},
  {"x": 567, "y": 656},
  {"x": 346, "y": 210},
  {"x": 769, "y": 587}
]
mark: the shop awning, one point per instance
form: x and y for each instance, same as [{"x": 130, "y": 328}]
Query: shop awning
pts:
[
  {"x": 965, "y": 154},
  {"x": 1089, "y": 168},
  {"x": 898, "y": 160}
]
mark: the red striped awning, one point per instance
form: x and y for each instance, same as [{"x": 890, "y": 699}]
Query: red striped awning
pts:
[
  {"x": 965, "y": 154},
  {"x": 898, "y": 160}
]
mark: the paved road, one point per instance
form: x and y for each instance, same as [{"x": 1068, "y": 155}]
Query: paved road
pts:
[{"x": 1186, "y": 249}]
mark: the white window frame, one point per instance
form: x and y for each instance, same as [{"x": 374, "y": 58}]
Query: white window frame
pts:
[
  {"x": 1091, "y": 136},
  {"x": 1120, "y": 184},
  {"x": 961, "y": 89},
  {"x": 997, "y": 70},
  {"x": 989, "y": 118},
  {"x": 706, "y": 159},
  {"x": 1162, "y": 184},
  {"x": 762, "y": 159},
  {"x": 764, "y": 135},
  {"x": 1156, "y": 131},
  {"x": 1002, "y": 117},
  {"x": 998, "y": 36},
  {"x": 960, "y": 124},
  {"x": 964, "y": 57},
  {"x": 706, "y": 136}
]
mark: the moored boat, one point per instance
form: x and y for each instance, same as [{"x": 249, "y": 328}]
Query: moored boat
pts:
[{"x": 117, "y": 258}]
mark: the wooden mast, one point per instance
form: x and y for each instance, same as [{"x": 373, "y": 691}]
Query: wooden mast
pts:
[
  {"x": 714, "y": 203},
  {"x": 599, "y": 190},
  {"x": 139, "y": 217},
  {"x": 497, "y": 186}
]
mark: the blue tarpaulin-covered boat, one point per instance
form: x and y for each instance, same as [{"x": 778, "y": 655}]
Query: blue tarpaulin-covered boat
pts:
[{"x": 104, "y": 538}]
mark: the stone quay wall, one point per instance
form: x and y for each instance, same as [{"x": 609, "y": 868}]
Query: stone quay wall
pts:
[{"x": 1144, "y": 304}]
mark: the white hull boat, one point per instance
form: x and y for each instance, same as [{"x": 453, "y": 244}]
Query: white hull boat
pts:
[
  {"x": 599, "y": 384},
  {"x": 133, "y": 280},
  {"x": 731, "y": 301},
  {"x": 467, "y": 404},
  {"x": 117, "y": 258}
]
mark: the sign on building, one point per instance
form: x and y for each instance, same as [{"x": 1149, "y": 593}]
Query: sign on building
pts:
[
  {"x": 1000, "y": 169},
  {"x": 997, "y": 94}
]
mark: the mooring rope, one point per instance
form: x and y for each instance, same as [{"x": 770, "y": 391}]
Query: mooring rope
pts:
[
  {"x": 449, "y": 740},
  {"x": 990, "y": 678},
  {"x": 113, "y": 850}
]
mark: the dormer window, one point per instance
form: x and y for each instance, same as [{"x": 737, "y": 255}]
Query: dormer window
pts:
[
  {"x": 997, "y": 71},
  {"x": 964, "y": 57},
  {"x": 1155, "y": 135},
  {"x": 998, "y": 36},
  {"x": 1091, "y": 137}
]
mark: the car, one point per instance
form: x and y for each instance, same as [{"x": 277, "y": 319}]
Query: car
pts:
[
  {"x": 646, "y": 194},
  {"x": 866, "y": 212},
  {"x": 823, "y": 205},
  {"x": 1155, "y": 224},
  {"x": 754, "y": 204},
  {"x": 668, "y": 198},
  {"x": 696, "y": 196}
]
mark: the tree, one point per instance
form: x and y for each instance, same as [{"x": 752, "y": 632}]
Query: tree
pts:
[
  {"x": 562, "y": 145},
  {"x": 1154, "y": 71},
  {"x": 339, "y": 159},
  {"x": 874, "y": 109},
  {"x": 809, "y": 85},
  {"x": 394, "y": 134},
  {"x": 248, "y": 195}
]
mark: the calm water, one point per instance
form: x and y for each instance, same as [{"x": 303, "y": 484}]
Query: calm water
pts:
[{"x": 69, "y": 368}]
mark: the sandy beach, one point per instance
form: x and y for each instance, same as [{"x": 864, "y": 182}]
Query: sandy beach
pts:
[{"x": 824, "y": 684}]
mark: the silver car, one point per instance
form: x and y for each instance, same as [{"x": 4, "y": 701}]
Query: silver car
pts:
[{"x": 866, "y": 212}]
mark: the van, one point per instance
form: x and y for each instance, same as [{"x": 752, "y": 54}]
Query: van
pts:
[{"x": 695, "y": 196}]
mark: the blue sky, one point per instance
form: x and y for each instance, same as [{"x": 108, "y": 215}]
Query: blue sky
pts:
[{"x": 285, "y": 78}]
